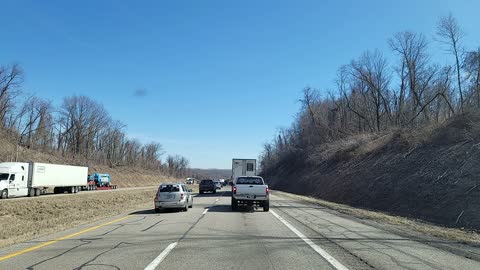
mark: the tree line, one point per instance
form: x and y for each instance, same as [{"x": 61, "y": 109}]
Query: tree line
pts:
[
  {"x": 373, "y": 95},
  {"x": 80, "y": 129}
]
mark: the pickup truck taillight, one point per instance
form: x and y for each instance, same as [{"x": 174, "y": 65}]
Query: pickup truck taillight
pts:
[
  {"x": 156, "y": 195},
  {"x": 234, "y": 190},
  {"x": 267, "y": 190}
]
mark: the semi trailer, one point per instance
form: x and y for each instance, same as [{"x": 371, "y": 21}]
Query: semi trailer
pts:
[
  {"x": 19, "y": 179},
  {"x": 243, "y": 167}
]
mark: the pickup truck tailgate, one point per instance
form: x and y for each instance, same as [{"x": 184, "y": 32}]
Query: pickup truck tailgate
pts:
[{"x": 251, "y": 191}]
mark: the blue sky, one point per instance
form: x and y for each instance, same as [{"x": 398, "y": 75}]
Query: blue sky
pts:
[{"x": 219, "y": 77}]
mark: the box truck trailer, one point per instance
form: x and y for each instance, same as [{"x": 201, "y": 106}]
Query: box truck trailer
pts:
[
  {"x": 19, "y": 179},
  {"x": 243, "y": 167}
]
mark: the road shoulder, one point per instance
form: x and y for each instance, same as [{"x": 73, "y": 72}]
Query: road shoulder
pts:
[{"x": 460, "y": 242}]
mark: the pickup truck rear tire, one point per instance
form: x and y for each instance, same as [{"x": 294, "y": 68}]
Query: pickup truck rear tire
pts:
[
  {"x": 157, "y": 210},
  {"x": 214, "y": 191},
  {"x": 234, "y": 204},
  {"x": 266, "y": 206},
  {"x": 201, "y": 192}
]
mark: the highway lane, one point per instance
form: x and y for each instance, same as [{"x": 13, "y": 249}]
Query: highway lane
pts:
[{"x": 211, "y": 236}]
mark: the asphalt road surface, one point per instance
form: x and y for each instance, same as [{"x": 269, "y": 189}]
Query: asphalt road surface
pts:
[{"x": 293, "y": 235}]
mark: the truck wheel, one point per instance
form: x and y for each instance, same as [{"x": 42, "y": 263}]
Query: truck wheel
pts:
[
  {"x": 31, "y": 192},
  {"x": 266, "y": 206},
  {"x": 157, "y": 210},
  {"x": 234, "y": 204},
  {"x": 185, "y": 208},
  {"x": 71, "y": 190},
  {"x": 201, "y": 192},
  {"x": 4, "y": 194},
  {"x": 37, "y": 192},
  {"x": 214, "y": 191}
]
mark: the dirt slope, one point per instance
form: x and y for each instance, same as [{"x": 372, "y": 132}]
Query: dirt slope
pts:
[
  {"x": 433, "y": 175},
  {"x": 122, "y": 176}
]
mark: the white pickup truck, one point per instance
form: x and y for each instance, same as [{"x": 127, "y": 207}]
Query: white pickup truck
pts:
[{"x": 250, "y": 190}]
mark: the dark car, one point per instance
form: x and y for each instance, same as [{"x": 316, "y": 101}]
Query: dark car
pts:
[{"x": 207, "y": 185}]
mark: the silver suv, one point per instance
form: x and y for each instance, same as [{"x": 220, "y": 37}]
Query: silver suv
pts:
[{"x": 173, "y": 195}]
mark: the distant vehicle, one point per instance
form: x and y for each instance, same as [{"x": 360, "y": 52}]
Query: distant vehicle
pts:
[
  {"x": 223, "y": 182},
  {"x": 19, "y": 179},
  {"x": 207, "y": 185},
  {"x": 173, "y": 196},
  {"x": 190, "y": 181},
  {"x": 250, "y": 191},
  {"x": 218, "y": 184},
  {"x": 243, "y": 167},
  {"x": 100, "y": 179}
]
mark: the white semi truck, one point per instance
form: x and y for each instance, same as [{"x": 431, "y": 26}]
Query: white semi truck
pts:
[{"x": 19, "y": 179}]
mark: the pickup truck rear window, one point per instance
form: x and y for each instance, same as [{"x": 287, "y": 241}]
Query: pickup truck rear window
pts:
[
  {"x": 206, "y": 182},
  {"x": 249, "y": 181},
  {"x": 169, "y": 188}
]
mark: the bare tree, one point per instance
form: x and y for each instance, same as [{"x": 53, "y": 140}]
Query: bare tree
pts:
[
  {"x": 412, "y": 48},
  {"x": 372, "y": 70},
  {"x": 10, "y": 80},
  {"x": 177, "y": 165},
  {"x": 472, "y": 67},
  {"x": 450, "y": 34}
]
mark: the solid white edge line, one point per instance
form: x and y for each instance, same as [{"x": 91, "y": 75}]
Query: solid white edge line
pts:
[
  {"x": 204, "y": 212},
  {"x": 161, "y": 257},
  {"x": 336, "y": 264}
]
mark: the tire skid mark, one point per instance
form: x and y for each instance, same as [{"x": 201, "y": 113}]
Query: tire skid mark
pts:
[
  {"x": 151, "y": 226},
  {"x": 83, "y": 243}
]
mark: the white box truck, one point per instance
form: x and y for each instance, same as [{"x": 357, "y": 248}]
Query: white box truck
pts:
[
  {"x": 243, "y": 167},
  {"x": 32, "y": 179}
]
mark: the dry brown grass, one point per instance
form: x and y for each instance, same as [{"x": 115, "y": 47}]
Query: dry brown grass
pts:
[
  {"x": 462, "y": 236},
  {"x": 133, "y": 177},
  {"x": 23, "y": 219}
]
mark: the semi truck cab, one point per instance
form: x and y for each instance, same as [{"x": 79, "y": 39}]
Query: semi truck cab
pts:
[{"x": 13, "y": 179}]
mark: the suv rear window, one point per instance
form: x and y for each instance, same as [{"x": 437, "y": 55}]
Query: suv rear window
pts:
[
  {"x": 169, "y": 188},
  {"x": 206, "y": 182},
  {"x": 249, "y": 181}
]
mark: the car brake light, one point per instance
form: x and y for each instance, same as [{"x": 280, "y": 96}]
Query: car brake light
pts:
[
  {"x": 181, "y": 196},
  {"x": 267, "y": 190},
  {"x": 234, "y": 190}
]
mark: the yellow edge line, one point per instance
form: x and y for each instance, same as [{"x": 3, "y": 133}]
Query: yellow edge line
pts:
[{"x": 58, "y": 239}]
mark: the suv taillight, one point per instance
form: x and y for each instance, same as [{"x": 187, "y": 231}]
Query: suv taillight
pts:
[
  {"x": 234, "y": 190},
  {"x": 267, "y": 190},
  {"x": 181, "y": 196}
]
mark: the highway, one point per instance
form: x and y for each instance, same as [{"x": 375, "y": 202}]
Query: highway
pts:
[{"x": 293, "y": 235}]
